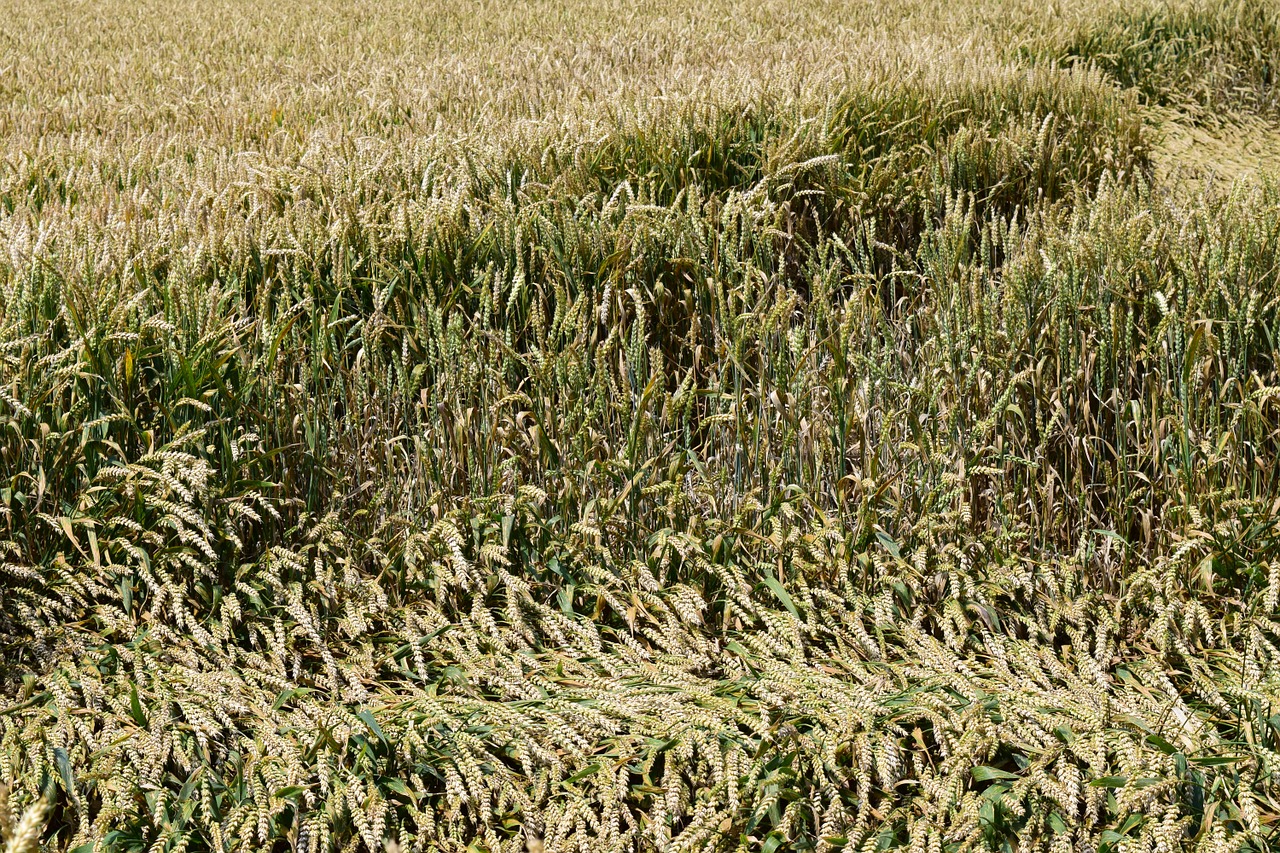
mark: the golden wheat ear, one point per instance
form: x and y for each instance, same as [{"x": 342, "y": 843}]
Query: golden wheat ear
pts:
[
  {"x": 25, "y": 837},
  {"x": 6, "y": 816}
]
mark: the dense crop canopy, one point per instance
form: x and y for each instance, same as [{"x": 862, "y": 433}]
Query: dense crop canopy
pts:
[{"x": 561, "y": 426}]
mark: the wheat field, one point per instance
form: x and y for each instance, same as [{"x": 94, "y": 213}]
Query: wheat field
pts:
[{"x": 574, "y": 426}]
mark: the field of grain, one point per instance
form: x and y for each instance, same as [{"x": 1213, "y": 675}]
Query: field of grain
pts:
[{"x": 583, "y": 426}]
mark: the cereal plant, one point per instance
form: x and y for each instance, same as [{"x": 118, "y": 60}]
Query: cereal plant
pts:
[{"x": 575, "y": 426}]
